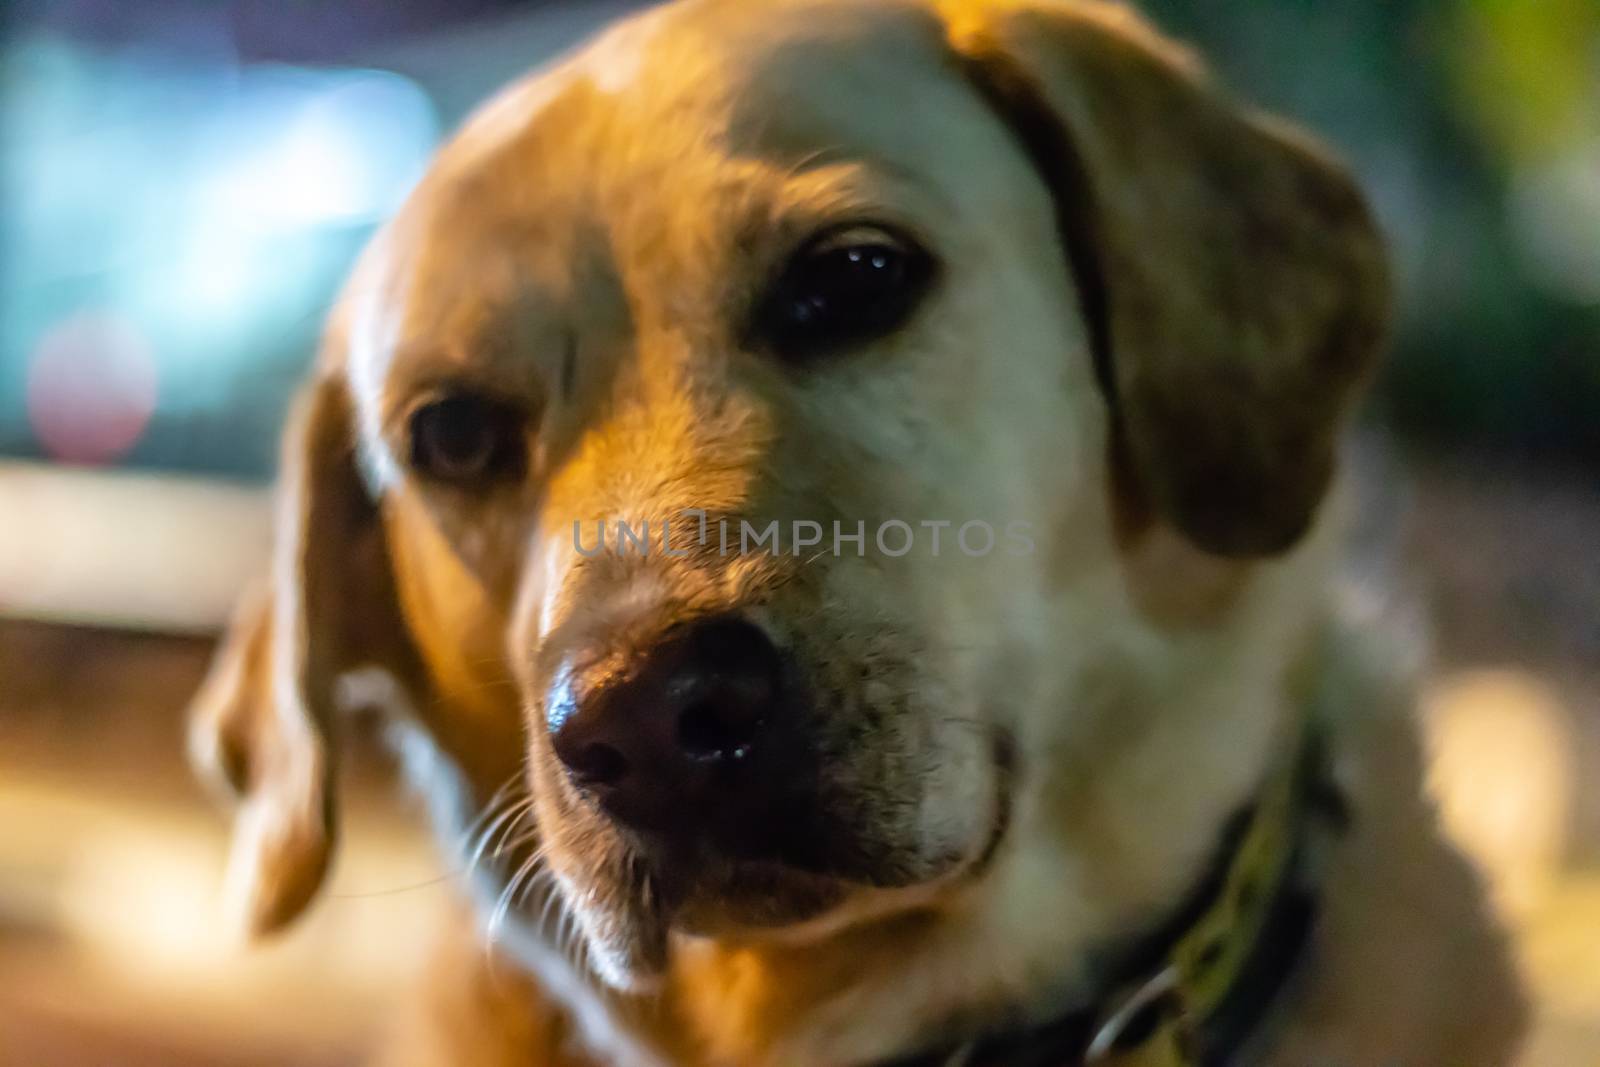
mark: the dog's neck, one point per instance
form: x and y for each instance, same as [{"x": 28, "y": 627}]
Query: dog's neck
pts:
[{"x": 1193, "y": 989}]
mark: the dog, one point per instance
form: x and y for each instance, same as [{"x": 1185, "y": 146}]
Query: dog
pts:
[{"x": 778, "y": 293}]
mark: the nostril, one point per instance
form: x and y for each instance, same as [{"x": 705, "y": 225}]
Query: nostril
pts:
[
  {"x": 597, "y": 764},
  {"x": 684, "y": 719},
  {"x": 705, "y": 734}
]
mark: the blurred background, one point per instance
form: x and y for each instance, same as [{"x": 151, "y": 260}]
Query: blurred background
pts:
[{"x": 183, "y": 184}]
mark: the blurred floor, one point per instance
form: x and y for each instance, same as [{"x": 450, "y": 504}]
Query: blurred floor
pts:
[
  {"x": 112, "y": 949},
  {"x": 110, "y": 946},
  {"x": 1507, "y": 558}
]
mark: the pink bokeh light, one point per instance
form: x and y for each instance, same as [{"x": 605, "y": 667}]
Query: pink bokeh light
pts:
[{"x": 92, "y": 388}]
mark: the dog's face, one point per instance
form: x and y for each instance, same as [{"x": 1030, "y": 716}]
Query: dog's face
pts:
[
  {"x": 1005, "y": 289},
  {"x": 725, "y": 293}
]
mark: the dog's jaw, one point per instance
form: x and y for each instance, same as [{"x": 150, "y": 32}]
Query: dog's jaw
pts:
[
  {"x": 629, "y": 913},
  {"x": 624, "y": 939}
]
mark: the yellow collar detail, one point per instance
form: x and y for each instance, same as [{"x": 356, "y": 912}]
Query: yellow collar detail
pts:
[{"x": 1158, "y": 1021}]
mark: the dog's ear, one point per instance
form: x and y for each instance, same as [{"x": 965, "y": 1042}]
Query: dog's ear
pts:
[
  {"x": 261, "y": 725},
  {"x": 1231, "y": 275}
]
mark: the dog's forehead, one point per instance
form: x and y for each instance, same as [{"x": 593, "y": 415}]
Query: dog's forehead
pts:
[{"x": 671, "y": 122}]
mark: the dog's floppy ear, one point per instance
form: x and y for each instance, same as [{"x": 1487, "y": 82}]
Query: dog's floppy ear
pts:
[
  {"x": 1233, "y": 281},
  {"x": 260, "y": 727}
]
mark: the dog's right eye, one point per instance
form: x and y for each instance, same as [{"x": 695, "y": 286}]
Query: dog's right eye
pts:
[{"x": 468, "y": 440}]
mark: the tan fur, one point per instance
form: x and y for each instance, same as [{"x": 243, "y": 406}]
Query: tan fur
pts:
[{"x": 1038, "y": 750}]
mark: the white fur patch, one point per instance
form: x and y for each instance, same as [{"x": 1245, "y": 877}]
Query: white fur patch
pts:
[{"x": 371, "y": 322}]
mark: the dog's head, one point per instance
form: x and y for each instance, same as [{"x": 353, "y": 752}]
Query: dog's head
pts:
[{"x": 897, "y": 334}]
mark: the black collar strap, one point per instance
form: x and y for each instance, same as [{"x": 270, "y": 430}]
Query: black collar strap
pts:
[{"x": 1191, "y": 992}]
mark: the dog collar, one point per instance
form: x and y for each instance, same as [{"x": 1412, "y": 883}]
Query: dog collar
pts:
[{"x": 1192, "y": 992}]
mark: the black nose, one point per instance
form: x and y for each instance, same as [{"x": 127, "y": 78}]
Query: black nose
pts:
[{"x": 690, "y": 738}]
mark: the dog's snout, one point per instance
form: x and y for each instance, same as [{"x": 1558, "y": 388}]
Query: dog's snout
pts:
[{"x": 686, "y": 730}]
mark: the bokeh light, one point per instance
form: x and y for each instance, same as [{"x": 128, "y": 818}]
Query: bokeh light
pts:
[
  {"x": 92, "y": 388},
  {"x": 317, "y": 148},
  {"x": 212, "y": 203}
]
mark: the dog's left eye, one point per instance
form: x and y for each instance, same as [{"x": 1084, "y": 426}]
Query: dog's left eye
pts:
[
  {"x": 464, "y": 440},
  {"x": 842, "y": 289}
]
